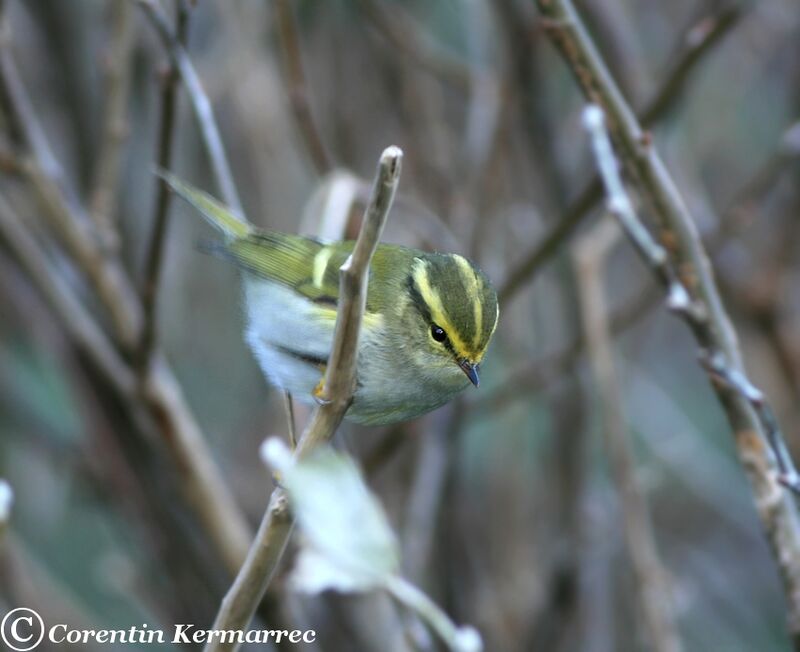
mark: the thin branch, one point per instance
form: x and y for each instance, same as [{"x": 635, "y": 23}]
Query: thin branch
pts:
[
  {"x": 776, "y": 509},
  {"x": 716, "y": 365},
  {"x": 160, "y": 400},
  {"x": 251, "y": 583},
  {"x": 457, "y": 639},
  {"x": 115, "y": 125},
  {"x": 297, "y": 87},
  {"x": 155, "y": 245},
  {"x": 699, "y": 41},
  {"x": 166, "y": 410},
  {"x": 737, "y": 214},
  {"x": 405, "y": 35},
  {"x": 80, "y": 325},
  {"x": 697, "y": 44},
  {"x": 203, "y": 485},
  {"x": 552, "y": 242},
  {"x": 701, "y": 308},
  {"x": 200, "y": 103},
  {"x": 650, "y": 578},
  {"x": 61, "y": 208}
]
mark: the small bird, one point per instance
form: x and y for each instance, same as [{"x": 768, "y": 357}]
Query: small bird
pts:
[{"x": 428, "y": 321}]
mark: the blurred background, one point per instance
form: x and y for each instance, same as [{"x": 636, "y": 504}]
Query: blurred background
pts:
[{"x": 504, "y": 501}]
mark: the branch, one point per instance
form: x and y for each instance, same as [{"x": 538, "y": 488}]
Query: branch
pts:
[
  {"x": 163, "y": 409},
  {"x": 737, "y": 214},
  {"x": 160, "y": 403},
  {"x": 251, "y": 583},
  {"x": 297, "y": 87},
  {"x": 698, "y": 43},
  {"x": 60, "y": 206},
  {"x": 79, "y": 324},
  {"x": 457, "y": 639},
  {"x": 720, "y": 357},
  {"x": 155, "y": 245},
  {"x": 717, "y": 367},
  {"x": 650, "y": 578},
  {"x": 340, "y": 377},
  {"x": 118, "y": 66},
  {"x": 200, "y": 103},
  {"x": 405, "y": 35}
]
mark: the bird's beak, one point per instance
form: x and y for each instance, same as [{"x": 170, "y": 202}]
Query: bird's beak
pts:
[{"x": 471, "y": 370}]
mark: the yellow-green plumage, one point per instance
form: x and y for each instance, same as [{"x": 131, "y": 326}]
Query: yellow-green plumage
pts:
[{"x": 291, "y": 288}]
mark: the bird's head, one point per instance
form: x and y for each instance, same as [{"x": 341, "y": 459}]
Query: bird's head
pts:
[{"x": 450, "y": 314}]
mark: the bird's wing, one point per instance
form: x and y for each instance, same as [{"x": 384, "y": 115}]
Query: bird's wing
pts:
[{"x": 303, "y": 264}]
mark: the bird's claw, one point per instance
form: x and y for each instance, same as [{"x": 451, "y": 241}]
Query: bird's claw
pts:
[{"x": 318, "y": 393}]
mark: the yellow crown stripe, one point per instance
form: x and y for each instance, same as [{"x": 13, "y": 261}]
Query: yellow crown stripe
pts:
[
  {"x": 474, "y": 293},
  {"x": 434, "y": 303}
]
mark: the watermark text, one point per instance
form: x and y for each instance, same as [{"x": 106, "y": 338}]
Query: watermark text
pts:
[{"x": 23, "y": 630}]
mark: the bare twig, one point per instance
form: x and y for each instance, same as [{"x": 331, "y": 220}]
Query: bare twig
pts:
[
  {"x": 340, "y": 377},
  {"x": 160, "y": 400},
  {"x": 154, "y": 252},
  {"x": 551, "y": 242},
  {"x": 737, "y": 213},
  {"x": 405, "y": 35},
  {"x": 621, "y": 207},
  {"x": 698, "y": 41},
  {"x": 200, "y": 479},
  {"x": 167, "y": 412},
  {"x": 457, "y": 639},
  {"x": 716, "y": 365},
  {"x": 697, "y": 44},
  {"x": 66, "y": 216},
  {"x": 297, "y": 87},
  {"x": 80, "y": 325},
  {"x": 115, "y": 126},
  {"x": 701, "y": 308},
  {"x": 651, "y": 581},
  {"x": 426, "y": 492},
  {"x": 240, "y": 602},
  {"x": 200, "y": 103}
]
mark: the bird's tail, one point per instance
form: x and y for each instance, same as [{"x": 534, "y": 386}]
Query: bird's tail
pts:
[{"x": 232, "y": 226}]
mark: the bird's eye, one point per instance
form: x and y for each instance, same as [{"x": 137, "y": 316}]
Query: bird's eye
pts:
[{"x": 437, "y": 333}]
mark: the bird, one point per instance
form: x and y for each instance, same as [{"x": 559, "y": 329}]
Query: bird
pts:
[{"x": 428, "y": 321}]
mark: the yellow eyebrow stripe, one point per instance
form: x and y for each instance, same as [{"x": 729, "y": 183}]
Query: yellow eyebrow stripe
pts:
[
  {"x": 320, "y": 265},
  {"x": 473, "y": 291},
  {"x": 434, "y": 302}
]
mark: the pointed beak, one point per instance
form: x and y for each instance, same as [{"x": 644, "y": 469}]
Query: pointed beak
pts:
[{"x": 471, "y": 370}]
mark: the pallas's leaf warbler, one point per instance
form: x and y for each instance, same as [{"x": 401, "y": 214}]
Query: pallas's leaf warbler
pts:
[{"x": 429, "y": 316}]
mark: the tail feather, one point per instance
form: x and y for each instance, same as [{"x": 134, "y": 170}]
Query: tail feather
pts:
[{"x": 217, "y": 214}]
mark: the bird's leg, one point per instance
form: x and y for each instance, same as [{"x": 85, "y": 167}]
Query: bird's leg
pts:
[{"x": 289, "y": 407}]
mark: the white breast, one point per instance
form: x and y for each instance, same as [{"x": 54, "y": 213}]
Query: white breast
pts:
[{"x": 281, "y": 321}]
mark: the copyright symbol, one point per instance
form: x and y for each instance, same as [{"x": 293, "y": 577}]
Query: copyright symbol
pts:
[{"x": 22, "y": 629}]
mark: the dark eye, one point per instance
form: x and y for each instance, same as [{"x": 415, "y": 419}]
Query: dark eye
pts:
[{"x": 438, "y": 333}]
